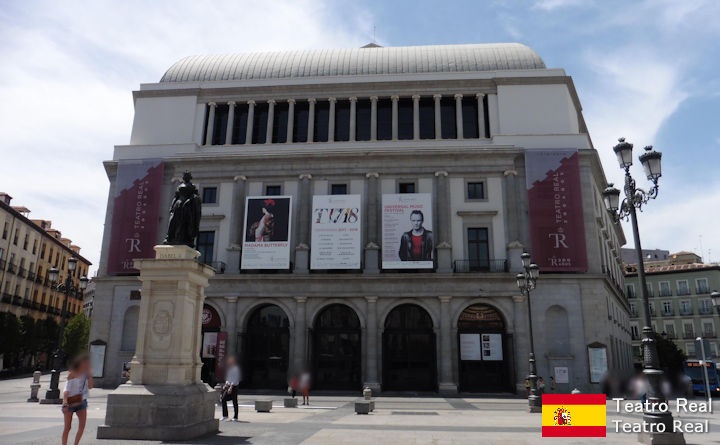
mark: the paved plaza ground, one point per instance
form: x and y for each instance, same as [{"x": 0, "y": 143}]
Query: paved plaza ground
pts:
[{"x": 330, "y": 420}]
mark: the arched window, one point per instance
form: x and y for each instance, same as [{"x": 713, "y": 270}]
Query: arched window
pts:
[{"x": 130, "y": 328}]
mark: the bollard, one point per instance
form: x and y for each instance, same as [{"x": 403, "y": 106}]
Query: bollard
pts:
[
  {"x": 34, "y": 387},
  {"x": 367, "y": 393},
  {"x": 263, "y": 406},
  {"x": 362, "y": 407},
  {"x": 290, "y": 402}
]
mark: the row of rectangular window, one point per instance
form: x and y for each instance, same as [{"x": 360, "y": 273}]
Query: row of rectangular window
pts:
[
  {"x": 322, "y": 129},
  {"x": 683, "y": 288},
  {"x": 685, "y": 308},
  {"x": 475, "y": 190}
]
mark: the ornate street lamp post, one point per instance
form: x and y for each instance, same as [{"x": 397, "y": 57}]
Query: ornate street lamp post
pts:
[
  {"x": 52, "y": 395},
  {"x": 526, "y": 283},
  {"x": 635, "y": 198}
]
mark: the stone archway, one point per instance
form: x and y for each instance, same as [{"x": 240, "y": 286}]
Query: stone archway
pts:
[
  {"x": 336, "y": 351},
  {"x": 267, "y": 348}
]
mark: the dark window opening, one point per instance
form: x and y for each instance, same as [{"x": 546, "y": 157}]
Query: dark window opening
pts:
[
  {"x": 427, "y": 118},
  {"x": 300, "y": 123},
  {"x": 486, "y": 116},
  {"x": 470, "y": 117},
  {"x": 322, "y": 116},
  {"x": 342, "y": 120},
  {"x": 338, "y": 189},
  {"x": 448, "y": 123},
  {"x": 405, "y": 119},
  {"x": 206, "y": 246},
  {"x": 240, "y": 124},
  {"x": 384, "y": 119},
  {"x": 273, "y": 190},
  {"x": 363, "y": 110},
  {"x": 280, "y": 121},
  {"x": 406, "y": 187},
  {"x": 220, "y": 124},
  {"x": 478, "y": 248},
  {"x": 205, "y": 122},
  {"x": 260, "y": 123},
  {"x": 476, "y": 190},
  {"x": 209, "y": 195}
]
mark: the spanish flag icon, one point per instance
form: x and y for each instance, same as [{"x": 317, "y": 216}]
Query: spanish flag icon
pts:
[{"x": 573, "y": 415}]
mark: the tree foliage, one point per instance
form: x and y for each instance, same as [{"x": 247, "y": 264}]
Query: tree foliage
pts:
[
  {"x": 76, "y": 335},
  {"x": 670, "y": 356}
]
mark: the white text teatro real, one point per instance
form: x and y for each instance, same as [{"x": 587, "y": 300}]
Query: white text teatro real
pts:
[{"x": 365, "y": 210}]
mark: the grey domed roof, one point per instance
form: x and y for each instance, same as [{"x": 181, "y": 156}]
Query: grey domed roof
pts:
[{"x": 355, "y": 62}]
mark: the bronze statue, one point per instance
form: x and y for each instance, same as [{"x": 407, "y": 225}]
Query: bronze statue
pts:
[{"x": 185, "y": 213}]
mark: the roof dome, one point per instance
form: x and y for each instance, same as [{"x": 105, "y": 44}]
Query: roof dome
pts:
[{"x": 355, "y": 62}]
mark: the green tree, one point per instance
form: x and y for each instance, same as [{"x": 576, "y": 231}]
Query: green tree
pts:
[
  {"x": 76, "y": 335},
  {"x": 670, "y": 356},
  {"x": 29, "y": 342},
  {"x": 9, "y": 338},
  {"x": 47, "y": 333}
]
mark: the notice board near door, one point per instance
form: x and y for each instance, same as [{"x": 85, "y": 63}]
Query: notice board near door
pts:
[{"x": 487, "y": 347}]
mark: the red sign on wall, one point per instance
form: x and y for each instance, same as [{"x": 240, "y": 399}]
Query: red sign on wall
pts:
[
  {"x": 138, "y": 187},
  {"x": 220, "y": 354},
  {"x": 557, "y": 227}
]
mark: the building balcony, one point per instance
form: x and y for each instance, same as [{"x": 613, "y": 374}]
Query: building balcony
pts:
[
  {"x": 665, "y": 294},
  {"x": 11, "y": 268},
  {"x": 31, "y": 276},
  {"x": 708, "y": 335},
  {"x": 705, "y": 311},
  {"x": 21, "y": 272},
  {"x": 668, "y": 313},
  {"x": 26, "y": 303},
  {"x": 689, "y": 312},
  {"x": 6, "y": 297},
  {"x": 39, "y": 279},
  {"x": 634, "y": 315},
  {"x": 42, "y": 307},
  {"x": 683, "y": 292},
  {"x": 487, "y": 266},
  {"x": 688, "y": 335},
  {"x": 16, "y": 300}
]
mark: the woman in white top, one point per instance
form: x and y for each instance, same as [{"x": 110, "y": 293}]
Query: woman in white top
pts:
[{"x": 77, "y": 388}]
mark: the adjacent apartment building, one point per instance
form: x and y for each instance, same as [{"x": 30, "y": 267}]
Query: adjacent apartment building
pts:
[
  {"x": 680, "y": 306},
  {"x": 365, "y": 210},
  {"x": 28, "y": 249}
]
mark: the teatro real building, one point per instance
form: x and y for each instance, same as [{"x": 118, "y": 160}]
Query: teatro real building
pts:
[{"x": 365, "y": 210}]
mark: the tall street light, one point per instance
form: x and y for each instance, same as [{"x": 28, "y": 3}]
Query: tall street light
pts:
[
  {"x": 52, "y": 396},
  {"x": 526, "y": 283},
  {"x": 635, "y": 198}
]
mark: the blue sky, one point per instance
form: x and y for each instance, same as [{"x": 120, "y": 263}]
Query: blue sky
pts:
[{"x": 646, "y": 70}]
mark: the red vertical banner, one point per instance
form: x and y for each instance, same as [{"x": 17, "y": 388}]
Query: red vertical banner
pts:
[
  {"x": 220, "y": 355},
  {"x": 138, "y": 186},
  {"x": 557, "y": 227}
]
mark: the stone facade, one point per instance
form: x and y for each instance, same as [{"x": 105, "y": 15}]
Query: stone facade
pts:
[{"x": 521, "y": 109}]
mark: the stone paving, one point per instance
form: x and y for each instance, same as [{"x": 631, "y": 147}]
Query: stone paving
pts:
[{"x": 330, "y": 420}]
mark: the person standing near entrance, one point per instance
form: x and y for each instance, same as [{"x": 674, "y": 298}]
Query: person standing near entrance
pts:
[
  {"x": 230, "y": 388},
  {"x": 305, "y": 387},
  {"x": 77, "y": 388}
]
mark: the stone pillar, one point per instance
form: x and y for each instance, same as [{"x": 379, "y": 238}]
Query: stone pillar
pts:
[
  {"x": 438, "y": 122},
  {"x": 302, "y": 250},
  {"x": 512, "y": 215},
  {"x": 372, "y": 247},
  {"x": 237, "y": 218},
  {"x": 373, "y": 118},
  {"x": 522, "y": 345},
  {"x": 210, "y": 124},
  {"x": 250, "y": 120},
  {"x": 231, "y": 120},
  {"x": 231, "y": 326},
  {"x": 353, "y": 118},
  {"x": 166, "y": 400},
  {"x": 444, "y": 248},
  {"x": 416, "y": 116},
  {"x": 300, "y": 335},
  {"x": 446, "y": 384},
  {"x": 331, "y": 119},
  {"x": 493, "y": 114},
  {"x": 311, "y": 120},
  {"x": 481, "y": 115},
  {"x": 394, "y": 117},
  {"x": 270, "y": 119},
  {"x": 291, "y": 121},
  {"x": 458, "y": 115},
  {"x": 372, "y": 349}
]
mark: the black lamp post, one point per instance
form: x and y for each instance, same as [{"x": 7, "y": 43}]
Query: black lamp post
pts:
[
  {"x": 526, "y": 283},
  {"x": 635, "y": 198},
  {"x": 52, "y": 395}
]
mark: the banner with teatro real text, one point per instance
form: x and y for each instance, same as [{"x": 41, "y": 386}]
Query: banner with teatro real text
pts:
[
  {"x": 557, "y": 228},
  {"x": 138, "y": 188},
  {"x": 335, "y": 232},
  {"x": 266, "y": 244}
]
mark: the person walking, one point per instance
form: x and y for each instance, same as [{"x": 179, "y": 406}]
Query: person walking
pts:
[
  {"x": 293, "y": 385},
  {"x": 77, "y": 389},
  {"x": 305, "y": 387},
  {"x": 552, "y": 384},
  {"x": 230, "y": 388},
  {"x": 541, "y": 386}
]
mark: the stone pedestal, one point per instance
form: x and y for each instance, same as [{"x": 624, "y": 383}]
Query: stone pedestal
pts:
[{"x": 165, "y": 398}]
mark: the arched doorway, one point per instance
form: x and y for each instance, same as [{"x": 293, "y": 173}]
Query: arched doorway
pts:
[
  {"x": 483, "y": 349},
  {"x": 336, "y": 348},
  {"x": 267, "y": 346},
  {"x": 210, "y": 330},
  {"x": 409, "y": 361}
]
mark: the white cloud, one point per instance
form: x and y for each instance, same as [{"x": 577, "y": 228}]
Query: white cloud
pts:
[
  {"x": 549, "y": 5},
  {"x": 69, "y": 69}
]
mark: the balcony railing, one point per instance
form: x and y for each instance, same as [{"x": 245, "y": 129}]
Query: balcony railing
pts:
[
  {"x": 42, "y": 307},
  {"x": 708, "y": 335},
  {"x": 665, "y": 293},
  {"x": 668, "y": 313},
  {"x": 687, "y": 312},
  {"x": 21, "y": 272},
  {"x": 6, "y": 297},
  {"x": 11, "y": 268},
  {"x": 31, "y": 276},
  {"x": 706, "y": 310},
  {"x": 488, "y": 266},
  {"x": 684, "y": 292},
  {"x": 17, "y": 301},
  {"x": 688, "y": 335}
]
